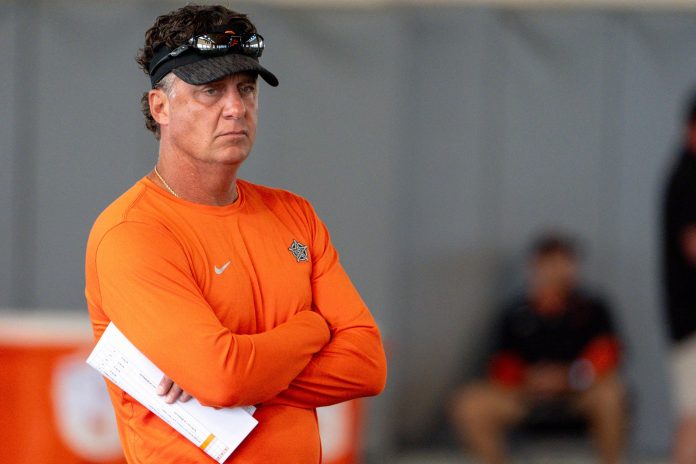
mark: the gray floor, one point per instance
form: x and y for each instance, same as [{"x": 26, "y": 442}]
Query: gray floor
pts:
[
  {"x": 539, "y": 457},
  {"x": 551, "y": 452}
]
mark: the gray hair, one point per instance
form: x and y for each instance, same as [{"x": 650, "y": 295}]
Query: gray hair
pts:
[{"x": 167, "y": 85}]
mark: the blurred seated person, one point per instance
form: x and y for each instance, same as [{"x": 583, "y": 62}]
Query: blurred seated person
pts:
[{"x": 557, "y": 348}]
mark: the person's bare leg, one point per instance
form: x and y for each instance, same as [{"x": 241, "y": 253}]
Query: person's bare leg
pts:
[
  {"x": 482, "y": 413},
  {"x": 685, "y": 440},
  {"x": 604, "y": 405}
]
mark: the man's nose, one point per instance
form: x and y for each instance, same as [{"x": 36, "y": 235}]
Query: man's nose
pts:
[{"x": 234, "y": 105}]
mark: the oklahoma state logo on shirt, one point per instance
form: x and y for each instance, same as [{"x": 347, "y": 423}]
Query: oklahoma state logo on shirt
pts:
[{"x": 299, "y": 251}]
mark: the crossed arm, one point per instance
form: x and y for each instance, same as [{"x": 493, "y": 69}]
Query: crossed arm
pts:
[{"x": 329, "y": 353}]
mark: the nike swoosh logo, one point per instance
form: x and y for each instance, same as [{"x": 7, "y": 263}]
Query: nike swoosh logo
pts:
[{"x": 220, "y": 270}]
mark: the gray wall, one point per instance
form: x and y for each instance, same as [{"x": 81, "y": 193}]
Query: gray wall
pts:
[{"x": 434, "y": 142}]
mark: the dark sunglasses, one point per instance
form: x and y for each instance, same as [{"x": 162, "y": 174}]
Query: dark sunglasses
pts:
[{"x": 218, "y": 44}]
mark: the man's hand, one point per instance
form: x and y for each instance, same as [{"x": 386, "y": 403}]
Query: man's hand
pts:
[
  {"x": 547, "y": 380},
  {"x": 171, "y": 391}
]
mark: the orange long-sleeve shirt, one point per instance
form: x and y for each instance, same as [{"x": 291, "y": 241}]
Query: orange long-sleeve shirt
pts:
[{"x": 245, "y": 304}]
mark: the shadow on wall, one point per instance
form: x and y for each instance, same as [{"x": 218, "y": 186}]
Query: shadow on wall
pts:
[{"x": 455, "y": 297}]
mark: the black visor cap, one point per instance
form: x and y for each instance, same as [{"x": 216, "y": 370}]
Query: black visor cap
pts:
[{"x": 210, "y": 69}]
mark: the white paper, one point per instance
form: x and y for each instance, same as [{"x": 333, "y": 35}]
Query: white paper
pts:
[{"x": 217, "y": 431}]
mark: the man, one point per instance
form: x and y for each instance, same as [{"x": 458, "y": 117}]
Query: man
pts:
[
  {"x": 679, "y": 276},
  {"x": 557, "y": 349},
  {"x": 234, "y": 290}
]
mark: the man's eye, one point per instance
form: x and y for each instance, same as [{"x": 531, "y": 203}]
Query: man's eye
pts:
[
  {"x": 210, "y": 91},
  {"x": 248, "y": 89}
]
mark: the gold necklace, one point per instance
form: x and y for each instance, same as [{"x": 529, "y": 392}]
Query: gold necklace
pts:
[{"x": 165, "y": 182}]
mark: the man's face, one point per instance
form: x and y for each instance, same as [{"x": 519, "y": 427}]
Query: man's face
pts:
[
  {"x": 215, "y": 122},
  {"x": 690, "y": 134},
  {"x": 556, "y": 270}
]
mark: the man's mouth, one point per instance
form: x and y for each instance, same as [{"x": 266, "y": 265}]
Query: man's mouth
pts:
[{"x": 235, "y": 133}]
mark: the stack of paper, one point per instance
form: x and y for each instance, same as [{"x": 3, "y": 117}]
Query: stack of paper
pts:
[{"x": 216, "y": 431}]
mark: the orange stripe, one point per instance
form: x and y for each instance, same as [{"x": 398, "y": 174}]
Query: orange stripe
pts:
[{"x": 207, "y": 441}]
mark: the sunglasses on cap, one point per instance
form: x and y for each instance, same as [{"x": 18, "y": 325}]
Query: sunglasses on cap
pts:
[{"x": 216, "y": 43}]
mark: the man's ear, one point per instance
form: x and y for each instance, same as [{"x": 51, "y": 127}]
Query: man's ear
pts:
[{"x": 159, "y": 106}]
